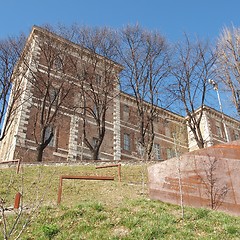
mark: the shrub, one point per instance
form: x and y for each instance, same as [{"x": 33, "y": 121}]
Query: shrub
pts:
[{"x": 50, "y": 230}]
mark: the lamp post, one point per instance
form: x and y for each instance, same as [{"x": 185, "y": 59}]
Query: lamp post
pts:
[
  {"x": 215, "y": 87},
  {"x": 238, "y": 101}
]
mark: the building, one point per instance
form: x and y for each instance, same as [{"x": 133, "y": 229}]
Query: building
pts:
[
  {"x": 60, "y": 63},
  {"x": 170, "y": 132},
  {"x": 216, "y": 128}
]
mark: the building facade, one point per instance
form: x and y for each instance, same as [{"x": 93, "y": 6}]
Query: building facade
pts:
[
  {"x": 169, "y": 128},
  {"x": 80, "y": 122},
  {"x": 216, "y": 128}
]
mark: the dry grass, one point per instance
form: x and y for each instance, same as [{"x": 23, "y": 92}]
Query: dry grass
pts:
[
  {"x": 105, "y": 209},
  {"x": 40, "y": 184}
]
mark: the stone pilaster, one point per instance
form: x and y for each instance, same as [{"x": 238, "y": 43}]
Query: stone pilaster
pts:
[
  {"x": 27, "y": 92},
  {"x": 116, "y": 128},
  {"x": 206, "y": 130},
  {"x": 73, "y": 136}
]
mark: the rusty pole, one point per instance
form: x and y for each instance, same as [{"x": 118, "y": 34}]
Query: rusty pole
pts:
[
  {"x": 60, "y": 190},
  {"x": 119, "y": 172},
  {"x": 17, "y": 200},
  {"x": 105, "y": 178},
  {"x": 18, "y": 165},
  {"x": 113, "y": 165}
]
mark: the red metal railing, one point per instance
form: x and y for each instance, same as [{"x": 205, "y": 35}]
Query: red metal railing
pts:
[
  {"x": 105, "y": 178},
  {"x": 113, "y": 165}
]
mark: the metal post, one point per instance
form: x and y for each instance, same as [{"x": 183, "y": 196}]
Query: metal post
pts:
[
  {"x": 104, "y": 178},
  {"x": 60, "y": 190},
  {"x": 18, "y": 165},
  {"x": 119, "y": 173},
  {"x": 238, "y": 101},
  {"x": 224, "y": 124},
  {"x": 17, "y": 200},
  {"x": 215, "y": 87},
  {"x": 113, "y": 165}
]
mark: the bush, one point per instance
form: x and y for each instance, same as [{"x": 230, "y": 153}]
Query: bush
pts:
[{"x": 50, "y": 230}]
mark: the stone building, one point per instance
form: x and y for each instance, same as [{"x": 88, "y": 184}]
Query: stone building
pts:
[
  {"x": 55, "y": 64},
  {"x": 170, "y": 132},
  {"x": 216, "y": 127},
  {"x": 120, "y": 126}
]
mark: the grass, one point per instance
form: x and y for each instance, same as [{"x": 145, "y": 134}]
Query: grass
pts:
[{"x": 105, "y": 209}]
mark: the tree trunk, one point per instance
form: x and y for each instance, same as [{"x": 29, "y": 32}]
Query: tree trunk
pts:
[
  {"x": 40, "y": 150},
  {"x": 149, "y": 150},
  {"x": 95, "y": 154},
  {"x": 200, "y": 144}
]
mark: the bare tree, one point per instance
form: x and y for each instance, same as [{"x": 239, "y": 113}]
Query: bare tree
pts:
[
  {"x": 14, "y": 221},
  {"x": 97, "y": 76},
  {"x": 191, "y": 68},
  {"x": 228, "y": 62},
  {"x": 50, "y": 87},
  {"x": 215, "y": 190},
  {"x": 177, "y": 137},
  {"x": 144, "y": 55},
  {"x": 10, "y": 81}
]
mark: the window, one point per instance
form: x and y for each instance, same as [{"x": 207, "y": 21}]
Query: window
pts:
[
  {"x": 53, "y": 95},
  {"x": 157, "y": 151},
  {"x": 126, "y": 112},
  {"x": 219, "y": 130},
  {"x": 95, "y": 109},
  {"x": 49, "y": 130},
  {"x": 126, "y": 108},
  {"x": 170, "y": 153},
  {"x": 126, "y": 142},
  {"x": 98, "y": 79},
  {"x": 236, "y": 135},
  {"x": 58, "y": 64},
  {"x": 156, "y": 118},
  {"x": 82, "y": 75},
  {"x": 94, "y": 142},
  {"x": 167, "y": 129}
]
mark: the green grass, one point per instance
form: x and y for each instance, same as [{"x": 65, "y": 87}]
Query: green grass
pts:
[{"x": 105, "y": 209}]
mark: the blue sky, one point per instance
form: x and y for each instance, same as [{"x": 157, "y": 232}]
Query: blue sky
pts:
[{"x": 204, "y": 18}]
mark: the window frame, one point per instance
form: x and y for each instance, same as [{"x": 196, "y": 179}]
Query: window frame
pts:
[
  {"x": 126, "y": 112},
  {"x": 126, "y": 142},
  {"x": 58, "y": 63},
  {"x": 219, "y": 131},
  {"x": 47, "y": 134},
  {"x": 157, "y": 151}
]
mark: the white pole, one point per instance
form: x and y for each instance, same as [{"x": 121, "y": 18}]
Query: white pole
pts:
[
  {"x": 215, "y": 87},
  {"x": 224, "y": 124}
]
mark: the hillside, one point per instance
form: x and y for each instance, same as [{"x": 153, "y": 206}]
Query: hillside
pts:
[{"x": 102, "y": 209}]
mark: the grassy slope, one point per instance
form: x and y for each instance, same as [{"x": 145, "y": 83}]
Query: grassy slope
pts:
[{"x": 106, "y": 209}]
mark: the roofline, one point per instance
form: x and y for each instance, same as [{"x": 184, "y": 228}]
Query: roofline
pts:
[
  {"x": 206, "y": 107},
  {"x": 125, "y": 94},
  {"x": 62, "y": 39}
]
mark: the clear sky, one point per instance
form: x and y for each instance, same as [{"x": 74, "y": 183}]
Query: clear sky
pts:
[{"x": 204, "y": 18}]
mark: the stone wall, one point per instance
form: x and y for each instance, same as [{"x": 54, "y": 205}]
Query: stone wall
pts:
[{"x": 207, "y": 178}]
